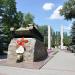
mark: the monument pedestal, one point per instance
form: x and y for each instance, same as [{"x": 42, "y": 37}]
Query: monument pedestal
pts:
[{"x": 34, "y": 51}]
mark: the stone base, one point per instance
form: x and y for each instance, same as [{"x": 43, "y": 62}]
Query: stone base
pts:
[
  {"x": 34, "y": 51},
  {"x": 40, "y": 51}
]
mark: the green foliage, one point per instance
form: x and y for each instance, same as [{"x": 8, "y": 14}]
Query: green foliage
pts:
[
  {"x": 73, "y": 33},
  {"x": 18, "y": 20},
  {"x": 57, "y": 38},
  {"x": 1, "y": 10},
  {"x": 9, "y": 17},
  {"x": 68, "y": 10},
  {"x": 28, "y": 19},
  {"x": 67, "y": 39},
  {"x": 44, "y": 31},
  {"x": 52, "y": 38},
  {"x": 7, "y": 14}
]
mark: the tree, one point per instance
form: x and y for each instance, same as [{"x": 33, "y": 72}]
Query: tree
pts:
[
  {"x": 44, "y": 31},
  {"x": 28, "y": 19},
  {"x": 3, "y": 44},
  {"x": 52, "y": 38},
  {"x": 1, "y": 10},
  {"x": 57, "y": 38},
  {"x": 66, "y": 39},
  {"x": 18, "y": 20},
  {"x": 7, "y": 14},
  {"x": 73, "y": 33},
  {"x": 68, "y": 10},
  {"x": 8, "y": 17}
]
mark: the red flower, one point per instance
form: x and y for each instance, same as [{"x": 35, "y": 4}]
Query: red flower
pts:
[{"x": 21, "y": 42}]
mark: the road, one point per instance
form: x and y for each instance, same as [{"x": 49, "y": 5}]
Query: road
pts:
[{"x": 63, "y": 63}]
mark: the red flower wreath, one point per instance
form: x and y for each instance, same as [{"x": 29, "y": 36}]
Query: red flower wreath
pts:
[{"x": 21, "y": 42}]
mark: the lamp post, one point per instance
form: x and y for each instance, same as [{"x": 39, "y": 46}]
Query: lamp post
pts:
[
  {"x": 62, "y": 30},
  {"x": 49, "y": 37}
]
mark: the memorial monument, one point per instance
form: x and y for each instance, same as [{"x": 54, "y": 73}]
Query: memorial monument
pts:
[{"x": 31, "y": 40}]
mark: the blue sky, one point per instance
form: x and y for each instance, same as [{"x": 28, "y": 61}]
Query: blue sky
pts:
[{"x": 46, "y": 12}]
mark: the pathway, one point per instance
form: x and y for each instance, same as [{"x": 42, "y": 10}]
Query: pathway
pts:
[{"x": 63, "y": 63}]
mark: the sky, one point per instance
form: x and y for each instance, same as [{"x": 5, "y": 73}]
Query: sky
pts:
[{"x": 46, "y": 12}]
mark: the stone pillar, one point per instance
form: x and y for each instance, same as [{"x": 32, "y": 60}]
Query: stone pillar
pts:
[
  {"x": 62, "y": 30},
  {"x": 49, "y": 37}
]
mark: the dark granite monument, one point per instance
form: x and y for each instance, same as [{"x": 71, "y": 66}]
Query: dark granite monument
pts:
[{"x": 35, "y": 49}]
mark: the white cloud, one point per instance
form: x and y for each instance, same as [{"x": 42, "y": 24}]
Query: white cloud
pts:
[
  {"x": 48, "y": 6},
  {"x": 56, "y": 14},
  {"x": 68, "y": 27}
]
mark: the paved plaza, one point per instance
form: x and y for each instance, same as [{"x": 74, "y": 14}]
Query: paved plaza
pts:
[{"x": 63, "y": 63}]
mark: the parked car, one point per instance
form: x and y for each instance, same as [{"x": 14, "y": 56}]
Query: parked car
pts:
[{"x": 71, "y": 48}]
